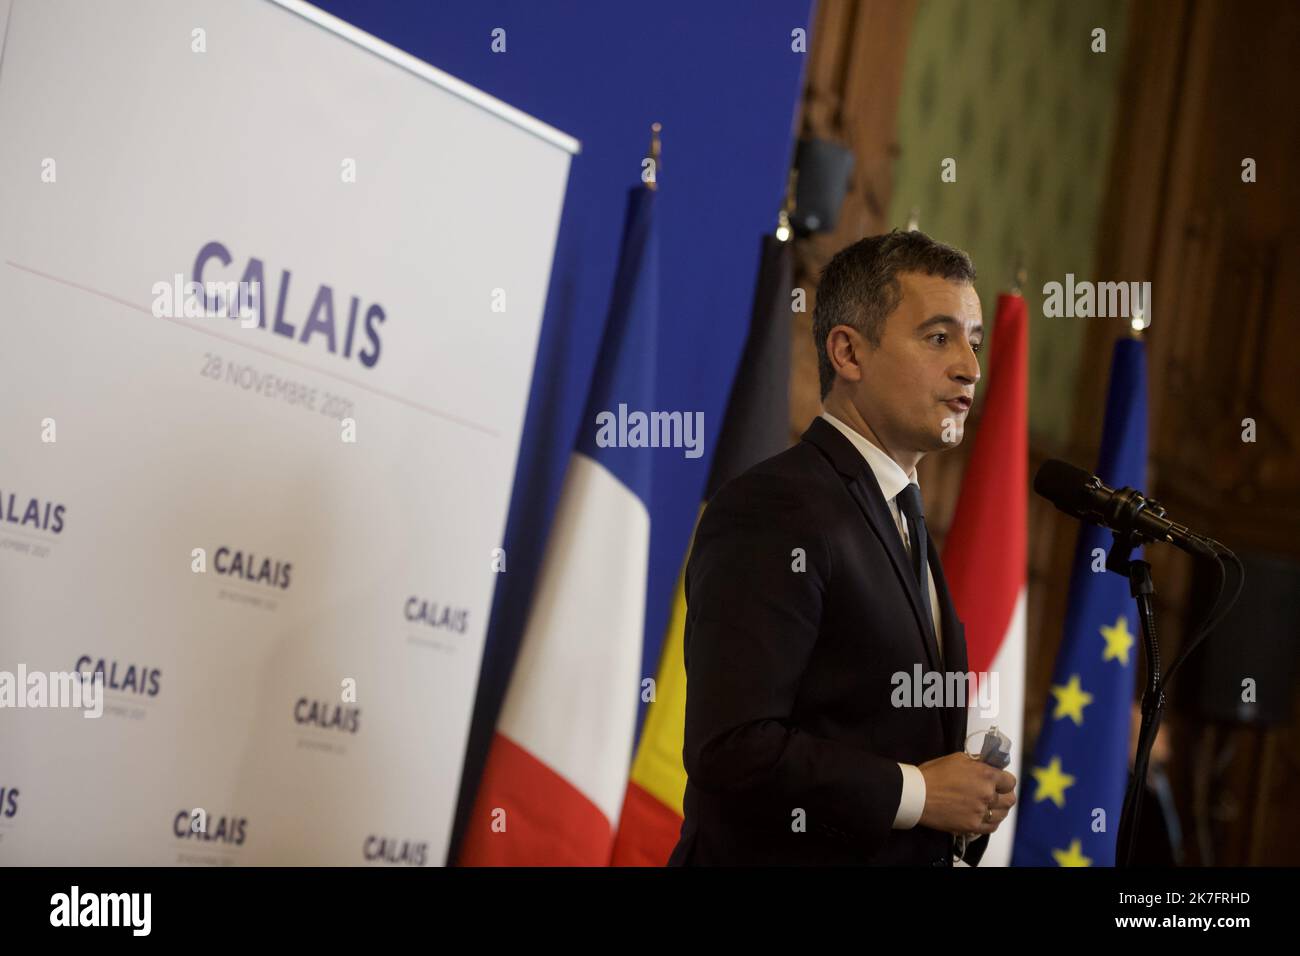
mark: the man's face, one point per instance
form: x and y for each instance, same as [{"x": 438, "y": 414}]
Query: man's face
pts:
[{"x": 926, "y": 359}]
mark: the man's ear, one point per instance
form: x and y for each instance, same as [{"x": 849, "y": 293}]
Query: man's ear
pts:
[{"x": 844, "y": 344}]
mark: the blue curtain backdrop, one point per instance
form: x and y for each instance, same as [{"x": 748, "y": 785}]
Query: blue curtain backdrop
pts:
[{"x": 723, "y": 80}]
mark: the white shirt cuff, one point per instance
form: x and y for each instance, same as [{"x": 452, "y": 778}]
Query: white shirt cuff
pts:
[{"x": 912, "y": 802}]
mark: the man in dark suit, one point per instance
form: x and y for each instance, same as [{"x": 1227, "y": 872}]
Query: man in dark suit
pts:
[{"x": 813, "y": 592}]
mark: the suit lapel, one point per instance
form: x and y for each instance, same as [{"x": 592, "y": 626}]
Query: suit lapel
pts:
[{"x": 865, "y": 490}]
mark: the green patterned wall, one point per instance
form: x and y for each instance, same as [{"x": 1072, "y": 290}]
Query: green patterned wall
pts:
[{"x": 1012, "y": 91}]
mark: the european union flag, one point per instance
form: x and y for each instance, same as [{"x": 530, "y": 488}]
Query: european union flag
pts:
[{"x": 1072, "y": 791}]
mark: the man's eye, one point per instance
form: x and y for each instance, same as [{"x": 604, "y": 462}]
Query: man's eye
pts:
[
  {"x": 940, "y": 335},
  {"x": 978, "y": 346}
]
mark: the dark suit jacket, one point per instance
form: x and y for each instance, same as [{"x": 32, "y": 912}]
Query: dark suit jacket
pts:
[{"x": 789, "y": 688}]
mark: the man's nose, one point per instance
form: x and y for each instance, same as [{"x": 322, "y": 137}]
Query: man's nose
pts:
[{"x": 967, "y": 371}]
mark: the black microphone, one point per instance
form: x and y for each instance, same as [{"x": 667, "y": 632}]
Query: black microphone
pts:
[{"x": 1083, "y": 496}]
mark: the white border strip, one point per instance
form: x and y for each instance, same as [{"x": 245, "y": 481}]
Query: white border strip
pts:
[{"x": 431, "y": 73}]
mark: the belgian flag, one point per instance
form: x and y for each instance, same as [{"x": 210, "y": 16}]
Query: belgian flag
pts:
[{"x": 756, "y": 426}]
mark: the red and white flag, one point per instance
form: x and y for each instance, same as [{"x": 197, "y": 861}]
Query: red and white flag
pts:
[{"x": 985, "y": 556}]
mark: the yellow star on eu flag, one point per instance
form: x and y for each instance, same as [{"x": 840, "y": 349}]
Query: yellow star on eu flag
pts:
[
  {"x": 1052, "y": 782},
  {"x": 1118, "y": 641},
  {"x": 1072, "y": 857},
  {"x": 1070, "y": 700}
]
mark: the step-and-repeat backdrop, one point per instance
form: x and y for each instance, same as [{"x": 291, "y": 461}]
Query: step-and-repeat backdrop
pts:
[{"x": 266, "y": 514}]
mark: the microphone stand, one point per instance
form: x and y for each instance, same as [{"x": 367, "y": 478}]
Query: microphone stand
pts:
[
  {"x": 1120, "y": 560},
  {"x": 1124, "y": 509}
]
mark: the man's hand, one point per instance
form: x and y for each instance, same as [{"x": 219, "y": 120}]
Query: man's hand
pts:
[{"x": 959, "y": 791}]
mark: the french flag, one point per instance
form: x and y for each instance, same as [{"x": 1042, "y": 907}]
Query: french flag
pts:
[
  {"x": 986, "y": 553},
  {"x": 555, "y": 777}
]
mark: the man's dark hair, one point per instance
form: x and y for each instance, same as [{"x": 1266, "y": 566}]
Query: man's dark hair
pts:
[{"x": 859, "y": 286}]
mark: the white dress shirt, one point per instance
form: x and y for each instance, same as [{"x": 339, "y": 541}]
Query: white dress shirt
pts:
[{"x": 892, "y": 480}]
